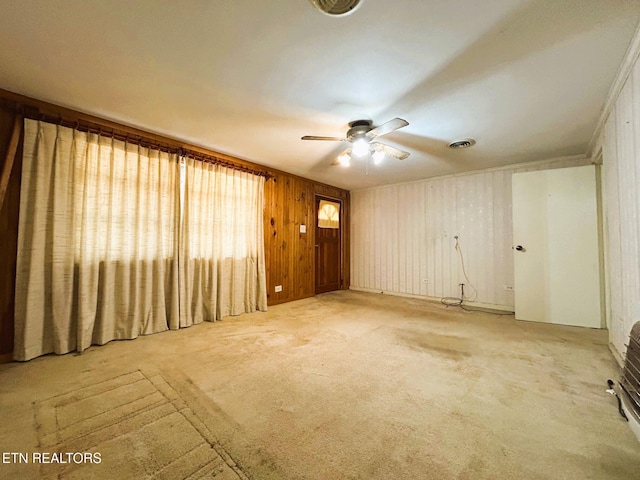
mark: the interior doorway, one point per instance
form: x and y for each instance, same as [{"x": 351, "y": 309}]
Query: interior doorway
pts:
[{"x": 328, "y": 219}]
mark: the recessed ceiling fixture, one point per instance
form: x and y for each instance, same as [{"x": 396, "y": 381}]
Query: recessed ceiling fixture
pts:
[
  {"x": 335, "y": 8},
  {"x": 466, "y": 143}
]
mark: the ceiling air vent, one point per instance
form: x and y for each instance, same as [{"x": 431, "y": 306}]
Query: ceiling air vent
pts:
[
  {"x": 335, "y": 7},
  {"x": 466, "y": 143}
]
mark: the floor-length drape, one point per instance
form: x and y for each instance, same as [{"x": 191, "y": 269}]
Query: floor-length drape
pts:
[
  {"x": 98, "y": 241},
  {"x": 222, "y": 243}
]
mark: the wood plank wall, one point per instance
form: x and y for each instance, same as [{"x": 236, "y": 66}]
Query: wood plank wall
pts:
[
  {"x": 289, "y": 202},
  {"x": 8, "y": 236}
]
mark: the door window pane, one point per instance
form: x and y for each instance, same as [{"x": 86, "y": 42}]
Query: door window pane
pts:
[{"x": 328, "y": 214}]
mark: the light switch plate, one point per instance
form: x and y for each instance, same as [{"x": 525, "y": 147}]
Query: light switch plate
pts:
[
  {"x": 303, "y": 229},
  {"x": 278, "y": 288}
]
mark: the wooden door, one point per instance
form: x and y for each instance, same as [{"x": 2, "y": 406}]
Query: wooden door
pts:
[
  {"x": 328, "y": 227},
  {"x": 556, "y": 257}
]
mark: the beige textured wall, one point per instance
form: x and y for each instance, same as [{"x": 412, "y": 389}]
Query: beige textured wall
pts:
[
  {"x": 619, "y": 144},
  {"x": 404, "y": 234}
]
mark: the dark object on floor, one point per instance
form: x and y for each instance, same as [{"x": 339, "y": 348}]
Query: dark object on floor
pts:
[{"x": 613, "y": 392}]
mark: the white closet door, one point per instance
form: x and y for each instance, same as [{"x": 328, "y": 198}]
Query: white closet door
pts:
[{"x": 555, "y": 235}]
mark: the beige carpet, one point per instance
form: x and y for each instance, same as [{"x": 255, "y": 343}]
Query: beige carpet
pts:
[
  {"x": 345, "y": 385},
  {"x": 140, "y": 424}
]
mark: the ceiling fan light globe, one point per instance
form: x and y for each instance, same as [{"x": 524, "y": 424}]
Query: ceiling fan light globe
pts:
[
  {"x": 360, "y": 147},
  {"x": 344, "y": 160},
  {"x": 378, "y": 157}
]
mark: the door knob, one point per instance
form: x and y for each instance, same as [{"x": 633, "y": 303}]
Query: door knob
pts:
[{"x": 520, "y": 248}]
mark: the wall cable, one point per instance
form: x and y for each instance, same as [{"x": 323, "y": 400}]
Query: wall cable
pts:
[
  {"x": 459, "y": 301},
  {"x": 464, "y": 272}
]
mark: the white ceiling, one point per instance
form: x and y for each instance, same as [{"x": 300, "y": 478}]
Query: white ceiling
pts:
[{"x": 526, "y": 78}]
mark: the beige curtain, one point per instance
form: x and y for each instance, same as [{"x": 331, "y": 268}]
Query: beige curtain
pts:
[
  {"x": 222, "y": 243},
  {"x": 98, "y": 249}
]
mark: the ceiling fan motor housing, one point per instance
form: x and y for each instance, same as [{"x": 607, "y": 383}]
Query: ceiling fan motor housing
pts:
[{"x": 358, "y": 127}]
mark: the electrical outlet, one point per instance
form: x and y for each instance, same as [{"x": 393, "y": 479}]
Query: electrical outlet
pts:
[
  {"x": 425, "y": 280},
  {"x": 278, "y": 288},
  {"x": 508, "y": 288}
]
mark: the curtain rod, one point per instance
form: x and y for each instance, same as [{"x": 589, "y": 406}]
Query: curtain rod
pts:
[
  {"x": 35, "y": 113},
  {"x": 201, "y": 157}
]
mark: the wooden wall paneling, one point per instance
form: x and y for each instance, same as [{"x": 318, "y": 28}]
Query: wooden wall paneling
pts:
[
  {"x": 9, "y": 231},
  {"x": 346, "y": 242},
  {"x": 296, "y": 242},
  {"x": 9, "y": 156},
  {"x": 290, "y": 254},
  {"x": 273, "y": 235},
  {"x": 284, "y": 235},
  {"x": 291, "y": 244},
  {"x": 269, "y": 231},
  {"x": 306, "y": 253},
  {"x": 279, "y": 236}
]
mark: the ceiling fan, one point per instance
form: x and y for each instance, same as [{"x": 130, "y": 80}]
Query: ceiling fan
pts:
[{"x": 361, "y": 134}]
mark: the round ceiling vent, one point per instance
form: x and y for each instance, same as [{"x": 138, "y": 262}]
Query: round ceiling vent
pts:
[
  {"x": 335, "y": 7},
  {"x": 466, "y": 143}
]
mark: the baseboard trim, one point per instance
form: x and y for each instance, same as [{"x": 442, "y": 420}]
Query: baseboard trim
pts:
[
  {"x": 271, "y": 303},
  {"x": 616, "y": 355},
  {"x": 395, "y": 294},
  {"x": 502, "y": 308},
  {"x": 6, "y": 358}
]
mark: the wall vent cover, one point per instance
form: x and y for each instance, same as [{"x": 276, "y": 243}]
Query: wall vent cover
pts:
[{"x": 335, "y": 7}]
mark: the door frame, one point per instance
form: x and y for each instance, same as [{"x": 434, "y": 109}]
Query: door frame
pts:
[
  {"x": 316, "y": 200},
  {"x": 605, "y": 280}
]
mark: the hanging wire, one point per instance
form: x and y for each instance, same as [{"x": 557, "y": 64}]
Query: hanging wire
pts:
[
  {"x": 464, "y": 273},
  {"x": 459, "y": 301}
]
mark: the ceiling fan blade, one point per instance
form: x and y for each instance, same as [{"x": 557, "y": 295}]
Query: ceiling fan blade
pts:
[
  {"x": 391, "y": 151},
  {"x": 333, "y": 139},
  {"x": 387, "y": 127}
]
